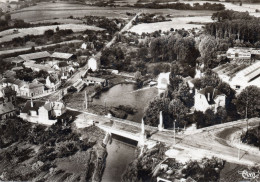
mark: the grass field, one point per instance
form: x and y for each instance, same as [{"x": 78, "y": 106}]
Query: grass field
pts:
[
  {"x": 49, "y": 11},
  {"x": 8, "y": 35},
  {"x": 176, "y": 23}
]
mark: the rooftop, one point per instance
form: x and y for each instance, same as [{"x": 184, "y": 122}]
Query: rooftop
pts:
[
  {"x": 36, "y": 105},
  {"x": 61, "y": 55},
  {"x": 213, "y": 92},
  {"x": 6, "y": 108},
  {"x": 36, "y": 55},
  {"x": 90, "y": 78}
]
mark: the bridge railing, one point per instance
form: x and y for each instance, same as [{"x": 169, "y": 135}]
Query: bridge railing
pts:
[{"x": 124, "y": 121}]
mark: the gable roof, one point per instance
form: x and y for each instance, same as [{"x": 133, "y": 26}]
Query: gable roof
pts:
[
  {"x": 14, "y": 81},
  {"x": 6, "y": 108},
  {"x": 61, "y": 55},
  {"x": 35, "y": 85},
  {"x": 212, "y": 92},
  {"x": 36, "y": 105},
  {"x": 36, "y": 55},
  {"x": 95, "y": 79}
]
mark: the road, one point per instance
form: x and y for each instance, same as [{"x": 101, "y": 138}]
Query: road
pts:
[
  {"x": 11, "y": 51},
  {"x": 83, "y": 70},
  {"x": 207, "y": 143}
]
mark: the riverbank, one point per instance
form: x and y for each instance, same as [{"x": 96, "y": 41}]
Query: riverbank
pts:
[
  {"x": 32, "y": 152},
  {"x": 151, "y": 164}
]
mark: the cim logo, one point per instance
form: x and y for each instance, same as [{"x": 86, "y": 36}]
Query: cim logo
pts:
[{"x": 249, "y": 174}]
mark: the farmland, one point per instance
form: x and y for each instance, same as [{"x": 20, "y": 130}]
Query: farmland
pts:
[
  {"x": 176, "y": 23},
  {"x": 8, "y": 35},
  {"x": 44, "y": 11}
]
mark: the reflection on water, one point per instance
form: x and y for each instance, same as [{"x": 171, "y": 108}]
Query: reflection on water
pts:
[
  {"x": 126, "y": 94},
  {"x": 120, "y": 154}
]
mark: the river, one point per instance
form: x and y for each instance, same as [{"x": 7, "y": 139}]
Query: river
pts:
[
  {"x": 127, "y": 94},
  {"x": 121, "y": 152}
]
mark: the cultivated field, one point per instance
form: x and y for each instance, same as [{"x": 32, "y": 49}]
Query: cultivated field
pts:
[
  {"x": 176, "y": 23},
  {"x": 49, "y": 11},
  {"x": 8, "y": 35}
]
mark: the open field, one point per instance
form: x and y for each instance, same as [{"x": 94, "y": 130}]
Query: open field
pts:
[
  {"x": 49, "y": 11},
  {"x": 60, "y": 21},
  {"x": 176, "y": 23},
  {"x": 8, "y": 35},
  {"x": 251, "y": 8}
]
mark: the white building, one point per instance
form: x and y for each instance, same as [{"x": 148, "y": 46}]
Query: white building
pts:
[
  {"x": 209, "y": 98},
  {"x": 163, "y": 80},
  {"x": 239, "y": 76},
  {"x": 242, "y": 53},
  {"x": 84, "y": 46},
  {"x": 93, "y": 64},
  {"x": 42, "y": 112}
]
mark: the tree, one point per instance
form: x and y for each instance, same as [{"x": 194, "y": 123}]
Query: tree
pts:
[
  {"x": 248, "y": 103},
  {"x": 7, "y": 17},
  {"x": 49, "y": 33},
  {"x": 207, "y": 48},
  {"x": 151, "y": 116},
  {"x": 142, "y": 52},
  {"x": 178, "y": 110}
]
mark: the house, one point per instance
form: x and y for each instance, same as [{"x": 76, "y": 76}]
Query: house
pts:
[
  {"x": 52, "y": 82},
  {"x": 163, "y": 81},
  {"x": 95, "y": 81},
  {"x": 93, "y": 64},
  {"x": 42, "y": 112},
  {"x": 15, "y": 84},
  {"x": 7, "y": 94},
  {"x": 209, "y": 98},
  {"x": 9, "y": 74},
  {"x": 32, "y": 89},
  {"x": 84, "y": 46},
  {"x": 37, "y": 56},
  {"x": 6, "y": 110}
]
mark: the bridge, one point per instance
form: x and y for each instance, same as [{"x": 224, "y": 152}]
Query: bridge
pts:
[{"x": 203, "y": 142}]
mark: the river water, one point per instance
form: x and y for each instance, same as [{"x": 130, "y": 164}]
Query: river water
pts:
[
  {"x": 127, "y": 94},
  {"x": 121, "y": 152}
]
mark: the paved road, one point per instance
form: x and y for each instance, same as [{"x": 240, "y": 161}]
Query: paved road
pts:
[{"x": 207, "y": 142}]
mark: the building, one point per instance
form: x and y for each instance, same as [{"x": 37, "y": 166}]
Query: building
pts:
[
  {"x": 239, "y": 76},
  {"x": 95, "y": 81},
  {"x": 93, "y": 64},
  {"x": 242, "y": 53},
  {"x": 42, "y": 112},
  {"x": 6, "y": 110},
  {"x": 250, "y": 76},
  {"x": 209, "y": 98},
  {"x": 60, "y": 56},
  {"x": 52, "y": 82},
  {"x": 15, "y": 84},
  {"x": 7, "y": 94},
  {"x": 37, "y": 56},
  {"x": 32, "y": 89},
  {"x": 84, "y": 46},
  {"x": 38, "y": 67},
  {"x": 163, "y": 80}
]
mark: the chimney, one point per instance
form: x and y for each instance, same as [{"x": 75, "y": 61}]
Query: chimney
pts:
[
  {"x": 196, "y": 91},
  {"x": 208, "y": 96},
  {"x": 31, "y": 102}
]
